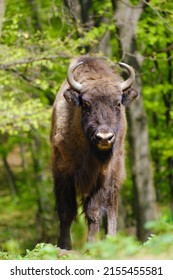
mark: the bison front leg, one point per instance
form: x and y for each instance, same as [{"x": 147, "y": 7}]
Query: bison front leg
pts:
[
  {"x": 91, "y": 209},
  {"x": 93, "y": 226},
  {"x": 111, "y": 220},
  {"x": 112, "y": 213},
  {"x": 66, "y": 206}
]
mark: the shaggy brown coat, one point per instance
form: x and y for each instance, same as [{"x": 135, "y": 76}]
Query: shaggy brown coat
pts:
[{"x": 79, "y": 166}]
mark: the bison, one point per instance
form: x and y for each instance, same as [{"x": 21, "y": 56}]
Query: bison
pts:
[{"x": 87, "y": 140}]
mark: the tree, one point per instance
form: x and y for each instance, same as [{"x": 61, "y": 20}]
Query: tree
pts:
[
  {"x": 155, "y": 35},
  {"x": 127, "y": 14}
]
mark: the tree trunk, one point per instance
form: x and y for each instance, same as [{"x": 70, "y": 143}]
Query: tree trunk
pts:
[
  {"x": 43, "y": 204},
  {"x": 10, "y": 177},
  {"x": 126, "y": 20},
  {"x": 35, "y": 15},
  {"x": 75, "y": 10}
]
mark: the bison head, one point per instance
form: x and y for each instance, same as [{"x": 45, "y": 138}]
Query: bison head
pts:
[{"x": 102, "y": 111}]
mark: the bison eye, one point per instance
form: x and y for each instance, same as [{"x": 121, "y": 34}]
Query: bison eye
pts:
[
  {"x": 86, "y": 104},
  {"x": 118, "y": 105}
]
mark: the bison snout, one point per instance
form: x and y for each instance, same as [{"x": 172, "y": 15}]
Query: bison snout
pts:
[
  {"x": 103, "y": 136},
  {"x": 104, "y": 140}
]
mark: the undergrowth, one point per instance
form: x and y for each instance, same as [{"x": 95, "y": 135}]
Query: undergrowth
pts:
[{"x": 158, "y": 246}]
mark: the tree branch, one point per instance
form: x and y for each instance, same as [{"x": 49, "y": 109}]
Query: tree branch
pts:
[
  {"x": 29, "y": 60},
  {"x": 168, "y": 26}
]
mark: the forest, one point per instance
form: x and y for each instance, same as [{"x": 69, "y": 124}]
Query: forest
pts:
[{"x": 38, "y": 39}]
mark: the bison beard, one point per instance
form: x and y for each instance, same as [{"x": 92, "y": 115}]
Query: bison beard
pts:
[
  {"x": 87, "y": 138},
  {"x": 103, "y": 156}
]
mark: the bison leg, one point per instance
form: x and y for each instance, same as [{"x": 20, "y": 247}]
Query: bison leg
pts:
[
  {"x": 91, "y": 209},
  {"x": 67, "y": 208},
  {"x": 111, "y": 220},
  {"x": 112, "y": 212}
]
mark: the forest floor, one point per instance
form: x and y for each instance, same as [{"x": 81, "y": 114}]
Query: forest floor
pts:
[{"x": 20, "y": 237}]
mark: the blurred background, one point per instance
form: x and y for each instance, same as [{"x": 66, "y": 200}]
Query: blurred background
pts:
[{"x": 37, "y": 40}]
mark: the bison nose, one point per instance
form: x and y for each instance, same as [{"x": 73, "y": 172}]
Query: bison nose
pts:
[{"x": 106, "y": 137}]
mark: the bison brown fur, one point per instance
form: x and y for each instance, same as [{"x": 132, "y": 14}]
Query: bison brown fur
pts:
[{"x": 87, "y": 138}]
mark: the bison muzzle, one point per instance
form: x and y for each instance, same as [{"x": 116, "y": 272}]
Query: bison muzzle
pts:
[{"x": 87, "y": 138}]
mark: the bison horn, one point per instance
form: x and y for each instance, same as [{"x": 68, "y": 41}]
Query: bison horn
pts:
[
  {"x": 75, "y": 85},
  {"x": 126, "y": 84}
]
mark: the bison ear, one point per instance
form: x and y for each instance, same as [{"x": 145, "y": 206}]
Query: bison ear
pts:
[
  {"x": 128, "y": 96},
  {"x": 72, "y": 96}
]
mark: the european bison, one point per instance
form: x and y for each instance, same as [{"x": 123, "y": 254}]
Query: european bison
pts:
[{"x": 87, "y": 137}]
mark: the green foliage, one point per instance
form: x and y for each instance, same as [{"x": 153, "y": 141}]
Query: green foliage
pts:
[
  {"x": 155, "y": 35},
  {"x": 158, "y": 246},
  {"x": 31, "y": 116},
  {"x": 118, "y": 247},
  {"x": 42, "y": 252},
  {"x": 37, "y": 42},
  {"x": 79, "y": 231}
]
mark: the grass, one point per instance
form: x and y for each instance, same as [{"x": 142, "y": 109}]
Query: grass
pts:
[
  {"x": 118, "y": 247},
  {"x": 18, "y": 238}
]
